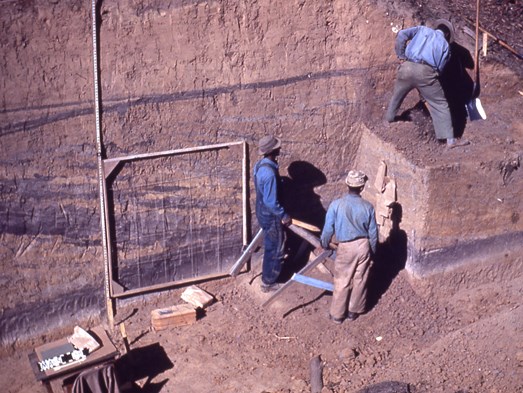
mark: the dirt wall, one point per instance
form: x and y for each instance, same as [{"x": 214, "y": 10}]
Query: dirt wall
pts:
[
  {"x": 449, "y": 212},
  {"x": 172, "y": 75},
  {"x": 180, "y": 74}
]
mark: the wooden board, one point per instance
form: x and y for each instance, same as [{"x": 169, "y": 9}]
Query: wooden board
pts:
[{"x": 180, "y": 315}]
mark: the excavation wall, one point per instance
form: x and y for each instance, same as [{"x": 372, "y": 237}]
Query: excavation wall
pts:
[{"x": 175, "y": 75}]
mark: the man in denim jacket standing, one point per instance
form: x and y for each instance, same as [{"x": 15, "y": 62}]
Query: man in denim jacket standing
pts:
[
  {"x": 353, "y": 222},
  {"x": 269, "y": 212},
  {"x": 425, "y": 52}
]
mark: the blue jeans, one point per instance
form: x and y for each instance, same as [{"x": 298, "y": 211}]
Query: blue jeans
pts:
[{"x": 274, "y": 241}]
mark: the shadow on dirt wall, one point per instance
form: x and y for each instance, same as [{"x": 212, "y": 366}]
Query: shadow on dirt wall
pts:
[
  {"x": 302, "y": 203},
  {"x": 458, "y": 86},
  {"x": 390, "y": 259}
]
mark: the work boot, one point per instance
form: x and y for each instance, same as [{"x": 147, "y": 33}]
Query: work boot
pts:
[
  {"x": 351, "y": 316},
  {"x": 270, "y": 287},
  {"x": 455, "y": 142},
  {"x": 337, "y": 321},
  {"x": 404, "y": 117}
]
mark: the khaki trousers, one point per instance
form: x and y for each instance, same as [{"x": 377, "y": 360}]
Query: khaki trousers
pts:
[{"x": 351, "y": 270}]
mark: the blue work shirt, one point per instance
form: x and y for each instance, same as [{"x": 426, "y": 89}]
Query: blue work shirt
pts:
[
  {"x": 423, "y": 44},
  {"x": 350, "y": 218},
  {"x": 266, "y": 176}
]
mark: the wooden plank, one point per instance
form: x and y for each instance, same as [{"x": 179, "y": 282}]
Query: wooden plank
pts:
[
  {"x": 313, "y": 282},
  {"x": 171, "y": 284},
  {"x": 498, "y": 40},
  {"x": 311, "y": 265},
  {"x": 134, "y": 157},
  {"x": 124, "y": 338},
  {"x": 314, "y": 240},
  {"x": 306, "y": 226}
]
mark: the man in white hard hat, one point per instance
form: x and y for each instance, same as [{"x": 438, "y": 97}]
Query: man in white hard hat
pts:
[
  {"x": 352, "y": 220},
  {"x": 270, "y": 213}
]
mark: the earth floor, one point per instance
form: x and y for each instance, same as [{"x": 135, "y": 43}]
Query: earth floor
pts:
[
  {"x": 469, "y": 340},
  {"x": 408, "y": 341}
]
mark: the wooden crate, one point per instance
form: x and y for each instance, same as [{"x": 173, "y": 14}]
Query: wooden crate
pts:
[{"x": 180, "y": 315}]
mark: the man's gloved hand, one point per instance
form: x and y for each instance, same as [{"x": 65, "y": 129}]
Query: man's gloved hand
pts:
[{"x": 286, "y": 220}]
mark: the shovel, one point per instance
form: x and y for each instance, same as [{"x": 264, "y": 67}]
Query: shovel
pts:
[{"x": 474, "y": 108}]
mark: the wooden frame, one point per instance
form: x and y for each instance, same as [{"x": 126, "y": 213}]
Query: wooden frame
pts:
[{"x": 116, "y": 290}]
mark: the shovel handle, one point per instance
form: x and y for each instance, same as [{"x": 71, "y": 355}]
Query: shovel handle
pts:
[{"x": 498, "y": 40}]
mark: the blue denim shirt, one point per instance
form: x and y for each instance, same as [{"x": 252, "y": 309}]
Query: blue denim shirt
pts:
[
  {"x": 267, "y": 177},
  {"x": 350, "y": 218},
  {"x": 422, "y": 43}
]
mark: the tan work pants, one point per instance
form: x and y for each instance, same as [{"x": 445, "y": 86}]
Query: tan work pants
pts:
[{"x": 350, "y": 278}]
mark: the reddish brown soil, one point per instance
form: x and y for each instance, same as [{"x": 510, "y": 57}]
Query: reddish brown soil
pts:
[
  {"x": 450, "y": 339},
  {"x": 467, "y": 341}
]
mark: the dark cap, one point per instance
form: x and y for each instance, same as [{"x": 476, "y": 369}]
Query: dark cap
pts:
[{"x": 445, "y": 25}]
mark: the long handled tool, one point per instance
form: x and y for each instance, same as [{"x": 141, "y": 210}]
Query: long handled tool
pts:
[
  {"x": 499, "y": 41},
  {"x": 315, "y": 262},
  {"x": 304, "y": 225},
  {"x": 474, "y": 107},
  {"x": 257, "y": 241}
]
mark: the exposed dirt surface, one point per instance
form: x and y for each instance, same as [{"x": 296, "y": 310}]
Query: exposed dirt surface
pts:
[
  {"x": 500, "y": 78},
  {"x": 410, "y": 341},
  {"x": 500, "y": 19},
  {"x": 468, "y": 341}
]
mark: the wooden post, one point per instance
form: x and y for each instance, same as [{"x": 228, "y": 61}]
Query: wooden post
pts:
[
  {"x": 305, "y": 235},
  {"x": 245, "y": 196},
  {"x": 316, "y": 375},
  {"x": 109, "y": 301},
  {"x": 124, "y": 337}
]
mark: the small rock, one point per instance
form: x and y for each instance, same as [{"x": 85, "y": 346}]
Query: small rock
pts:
[{"x": 348, "y": 353}]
